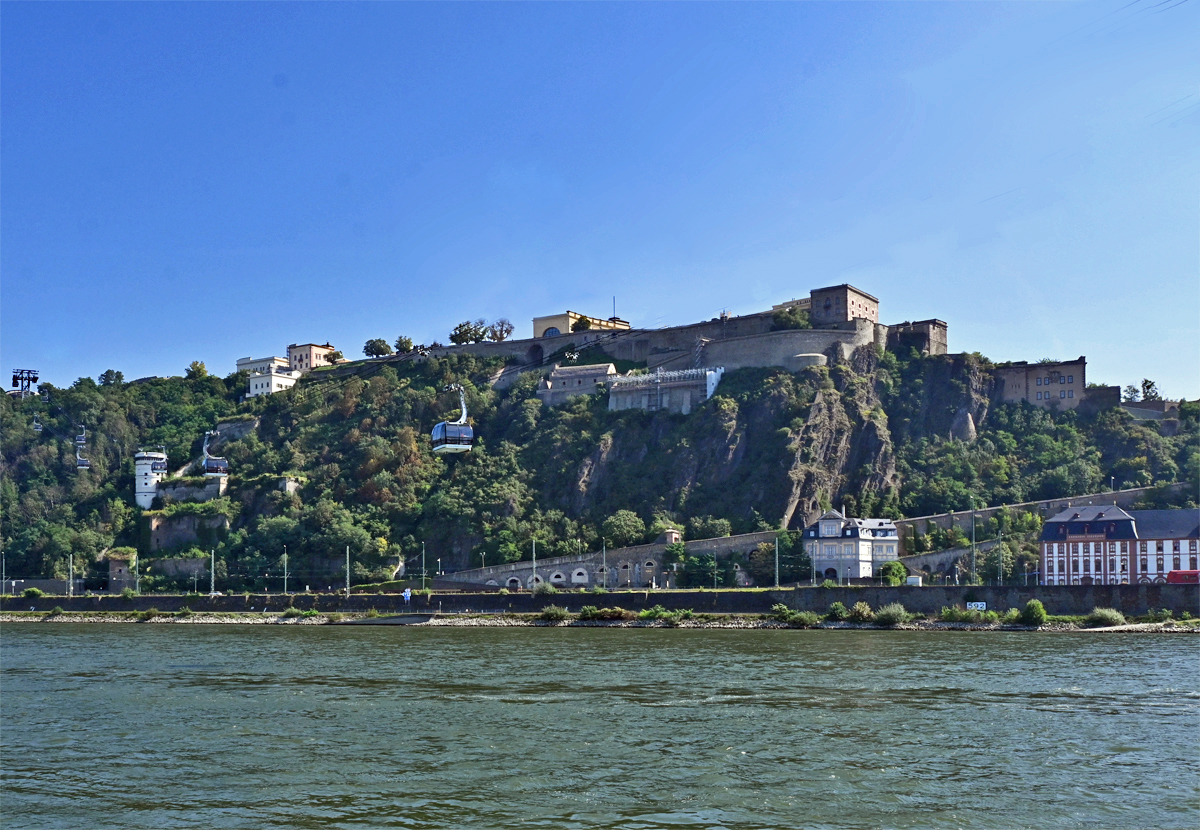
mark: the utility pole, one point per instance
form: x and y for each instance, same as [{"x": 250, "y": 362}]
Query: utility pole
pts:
[
  {"x": 604, "y": 560},
  {"x": 972, "y": 540},
  {"x": 533, "y": 582},
  {"x": 71, "y": 575},
  {"x": 137, "y": 575},
  {"x": 1000, "y": 560},
  {"x": 212, "y": 572},
  {"x": 285, "y": 569},
  {"x": 483, "y": 559},
  {"x": 777, "y": 560},
  {"x": 347, "y": 572},
  {"x": 422, "y": 566}
]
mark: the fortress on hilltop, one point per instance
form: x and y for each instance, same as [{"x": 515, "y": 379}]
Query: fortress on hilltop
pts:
[{"x": 827, "y": 325}]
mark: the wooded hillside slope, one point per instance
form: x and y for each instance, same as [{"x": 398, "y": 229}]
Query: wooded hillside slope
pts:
[{"x": 771, "y": 449}]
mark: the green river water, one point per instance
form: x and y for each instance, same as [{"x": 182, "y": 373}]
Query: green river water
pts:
[{"x": 212, "y": 726}]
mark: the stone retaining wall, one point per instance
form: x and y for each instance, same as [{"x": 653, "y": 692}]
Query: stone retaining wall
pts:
[{"x": 1059, "y": 599}]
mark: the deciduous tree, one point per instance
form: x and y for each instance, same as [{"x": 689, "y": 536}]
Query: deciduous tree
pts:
[
  {"x": 377, "y": 348},
  {"x": 500, "y": 330}
]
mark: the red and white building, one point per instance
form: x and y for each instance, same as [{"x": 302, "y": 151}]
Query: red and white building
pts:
[{"x": 1105, "y": 545}]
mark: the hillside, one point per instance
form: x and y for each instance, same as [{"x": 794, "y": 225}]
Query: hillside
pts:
[{"x": 770, "y": 449}]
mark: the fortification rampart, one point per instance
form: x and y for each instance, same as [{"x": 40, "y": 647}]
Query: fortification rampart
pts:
[
  {"x": 1046, "y": 507},
  {"x": 629, "y": 566}
]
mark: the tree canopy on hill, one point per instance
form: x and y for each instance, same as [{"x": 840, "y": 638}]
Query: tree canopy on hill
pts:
[{"x": 871, "y": 436}]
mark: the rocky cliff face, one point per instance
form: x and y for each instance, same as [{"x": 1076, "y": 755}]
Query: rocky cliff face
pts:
[{"x": 772, "y": 448}]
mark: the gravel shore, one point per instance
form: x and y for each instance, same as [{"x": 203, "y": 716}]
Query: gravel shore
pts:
[{"x": 514, "y": 620}]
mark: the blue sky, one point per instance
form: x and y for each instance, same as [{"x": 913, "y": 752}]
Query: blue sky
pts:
[{"x": 207, "y": 181}]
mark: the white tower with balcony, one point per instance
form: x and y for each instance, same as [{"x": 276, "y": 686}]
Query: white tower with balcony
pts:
[{"x": 150, "y": 467}]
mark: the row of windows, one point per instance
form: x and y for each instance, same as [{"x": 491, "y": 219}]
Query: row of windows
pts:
[
  {"x": 1061, "y": 379},
  {"x": 849, "y": 550},
  {"x": 1062, "y": 393},
  {"x": 1160, "y": 562},
  {"x": 1087, "y": 565},
  {"x": 1098, "y": 547}
]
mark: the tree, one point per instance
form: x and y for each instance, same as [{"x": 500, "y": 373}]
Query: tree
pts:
[
  {"x": 706, "y": 527},
  {"x": 582, "y": 324},
  {"x": 675, "y": 553},
  {"x": 196, "y": 370},
  {"x": 893, "y": 573},
  {"x": 792, "y": 317},
  {"x": 467, "y": 332},
  {"x": 334, "y": 357},
  {"x": 111, "y": 377},
  {"x": 377, "y": 348},
  {"x": 624, "y": 528},
  {"x": 1131, "y": 394},
  {"x": 1150, "y": 390},
  {"x": 404, "y": 344},
  {"x": 500, "y": 330}
]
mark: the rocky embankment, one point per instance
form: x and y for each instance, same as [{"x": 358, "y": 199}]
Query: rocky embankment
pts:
[{"x": 730, "y": 621}]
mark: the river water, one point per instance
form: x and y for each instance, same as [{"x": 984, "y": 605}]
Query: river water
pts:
[{"x": 210, "y": 726}]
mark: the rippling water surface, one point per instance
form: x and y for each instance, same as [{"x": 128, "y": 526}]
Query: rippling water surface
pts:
[{"x": 164, "y": 726}]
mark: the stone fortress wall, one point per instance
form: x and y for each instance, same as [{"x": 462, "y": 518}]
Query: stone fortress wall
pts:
[{"x": 844, "y": 319}]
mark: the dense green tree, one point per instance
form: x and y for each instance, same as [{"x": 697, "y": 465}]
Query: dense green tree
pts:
[
  {"x": 582, "y": 324},
  {"x": 377, "y": 347},
  {"x": 893, "y": 573},
  {"x": 403, "y": 344},
  {"x": 792, "y": 317},
  {"x": 196, "y": 370},
  {"x": 624, "y": 528}
]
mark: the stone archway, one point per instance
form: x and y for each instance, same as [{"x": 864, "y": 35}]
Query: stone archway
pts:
[
  {"x": 831, "y": 573},
  {"x": 514, "y": 583},
  {"x": 535, "y": 355}
]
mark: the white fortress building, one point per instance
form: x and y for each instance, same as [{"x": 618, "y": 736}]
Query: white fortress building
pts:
[{"x": 150, "y": 467}]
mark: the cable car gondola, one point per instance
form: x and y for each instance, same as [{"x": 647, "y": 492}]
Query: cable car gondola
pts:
[
  {"x": 214, "y": 467},
  {"x": 454, "y": 436},
  {"x": 37, "y": 425},
  {"x": 81, "y": 438}
]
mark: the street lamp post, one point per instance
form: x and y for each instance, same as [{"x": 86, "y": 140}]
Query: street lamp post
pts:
[
  {"x": 285, "y": 570},
  {"x": 972, "y": 540},
  {"x": 777, "y": 561}
]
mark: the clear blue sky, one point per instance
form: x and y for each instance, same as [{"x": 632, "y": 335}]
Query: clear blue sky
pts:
[{"x": 206, "y": 181}]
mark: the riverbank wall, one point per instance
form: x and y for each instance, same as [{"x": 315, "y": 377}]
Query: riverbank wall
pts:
[{"x": 1132, "y": 600}]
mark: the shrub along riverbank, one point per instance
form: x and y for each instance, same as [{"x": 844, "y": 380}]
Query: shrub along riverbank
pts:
[{"x": 1032, "y": 617}]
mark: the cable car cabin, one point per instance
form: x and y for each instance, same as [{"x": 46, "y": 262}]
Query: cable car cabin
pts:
[
  {"x": 82, "y": 464},
  {"x": 449, "y": 437},
  {"x": 1183, "y": 578},
  {"x": 158, "y": 466},
  {"x": 81, "y": 440},
  {"x": 216, "y": 466},
  {"x": 37, "y": 425}
]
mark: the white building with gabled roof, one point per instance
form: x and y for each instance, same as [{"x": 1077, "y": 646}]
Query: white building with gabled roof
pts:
[{"x": 843, "y": 549}]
